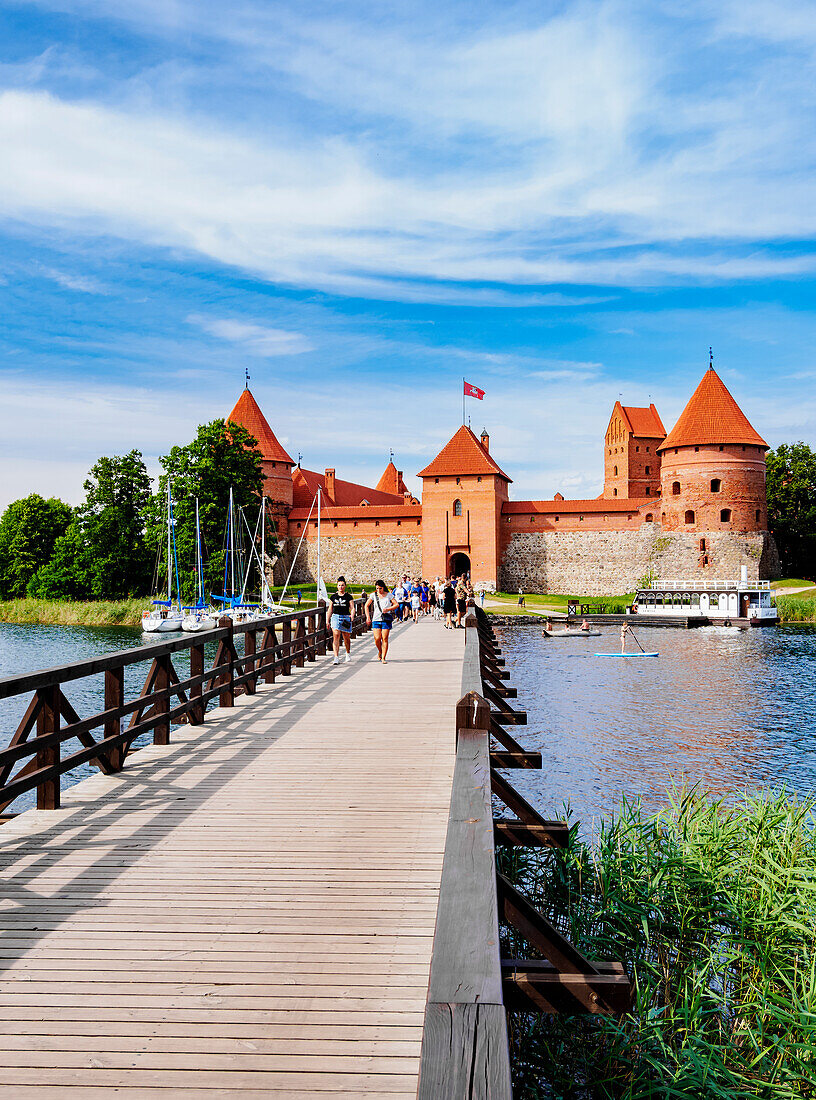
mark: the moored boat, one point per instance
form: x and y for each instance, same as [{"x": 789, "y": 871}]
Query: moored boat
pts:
[
  {"x": 163, "y": 616},
  {"x": 714, "y": 601}
]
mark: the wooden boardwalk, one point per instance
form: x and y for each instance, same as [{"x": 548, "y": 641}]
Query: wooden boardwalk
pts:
[{"x": 249, "y": 911}]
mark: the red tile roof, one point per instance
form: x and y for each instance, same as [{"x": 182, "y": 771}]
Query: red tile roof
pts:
[
  {"x": 645, "y": 423},
  {"x": 346, "y": 493},
  {"x": 561, "y": 507},
  {"x": 247, "y": 413},
  {"x": 391, "y": 481},
  {"x": 375, "y": 511},
  {"x": 463, "y": 454},
  {"x": 711, "y": 416}
]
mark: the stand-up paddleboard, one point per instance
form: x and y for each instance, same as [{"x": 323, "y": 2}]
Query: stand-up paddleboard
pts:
[{"x": 626, "y": 654}]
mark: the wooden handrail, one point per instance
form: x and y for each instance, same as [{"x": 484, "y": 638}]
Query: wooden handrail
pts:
[
  {"x": 464, "y": 1041},
  {"x": 165, "y": 699}
]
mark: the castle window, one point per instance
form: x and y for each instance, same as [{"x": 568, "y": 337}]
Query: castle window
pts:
[
  {"x": 355, "y": 523},
  {"x": 705, "y": 559},
  {"x": 298, "y": 527},
  {"x": 399, "y": 523},
  {"x": 676, "y": 451},
  {"x": 716, "y": 485},
  {"x": 697, "y": 448},
  {"x": 647, "y": 450},
  {"x": 419, "y": 522},
  {"x": 376, "y": 523},
  {"x": 479, "y": 478},
  {"x": 648, "y": 470},
  {"x": 335, "y": 523},
  {"x": 457, "y": 506},
  {"x": 725, "y": 515},
  {"x": 756, "y": 516},
  {"x": 314, "y": 523},
  {"x": 556, "y": 519},
  {"x": 614, "y": 492},
  {"x": 648, "y": 491},
  {"x": 650, "y": 517},
  {"x": 637, "y": 449},
  {"x": 702, "y": 544},
  {"x": 458, "y": 480},
  {"x": 676, "y": 489},
  {"x": 689, "y": 516},
  {"x": 721, "y": 447},
  {"x": 436, "y": 481},
  {"x": 616, "y": 471},
  {"x": 743, "y": 448},
  {"x": 531, "y": 519},
  {"x": 663, "y": 518},
  {"x": 581, "y": 519}
]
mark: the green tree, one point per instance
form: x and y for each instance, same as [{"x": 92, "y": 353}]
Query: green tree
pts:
[
  {"x": 103, "y": 553},
  {"x": 29, "y": 529},
  {"x": 222, "y": 456},
  {"x": 791, "y": 488}
]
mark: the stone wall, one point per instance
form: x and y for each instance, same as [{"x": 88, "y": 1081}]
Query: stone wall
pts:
[
  {"x": 359, "y": 560},
  {"x": 601, "y": 563}
]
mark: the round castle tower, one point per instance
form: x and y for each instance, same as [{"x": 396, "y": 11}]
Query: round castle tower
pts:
[{"x": 713, "y": 465}]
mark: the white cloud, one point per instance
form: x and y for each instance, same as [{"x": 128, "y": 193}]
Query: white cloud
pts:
[
  {"x": 255, "y": 339},
  {"x": 85, "y": 284}
]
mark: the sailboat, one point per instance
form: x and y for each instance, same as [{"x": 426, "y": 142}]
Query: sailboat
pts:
[
  {"x": 230, "y": 598},
  {"x": 198, "y": 617},
  {"x": 162, "y": 616}
]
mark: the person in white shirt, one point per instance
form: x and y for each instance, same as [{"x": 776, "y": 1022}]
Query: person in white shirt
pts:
[{"x": 380, "y": 609}]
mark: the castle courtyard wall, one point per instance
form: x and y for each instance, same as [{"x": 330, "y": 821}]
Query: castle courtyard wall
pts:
[
  {"x": 361, "y": 560},
  {"x": 606, "y": 563}
]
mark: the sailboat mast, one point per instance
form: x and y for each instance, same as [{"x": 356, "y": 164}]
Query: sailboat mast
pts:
[
  {"x": 169, "y": 548},
  {"x": 319, "y": 573},
  {"x": 232, "y": 546},
  {"x": 263, "y": 551},
  {"x": 199, "y": 566}
]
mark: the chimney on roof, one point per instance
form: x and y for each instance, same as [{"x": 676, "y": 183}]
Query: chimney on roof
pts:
[
  {"x": 485, "y": 438},
  {"x": 329, "y": 482}
]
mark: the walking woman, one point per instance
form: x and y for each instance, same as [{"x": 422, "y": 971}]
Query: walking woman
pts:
[
  {"x": 461, "y": 600},
  {"x": 448, "y": 604},
  {"x": 340, "y": 620},
  {"x": 432, "y": 600},
  {"x": 416, "y": 600},
  {"x": 380, "y": 609}
]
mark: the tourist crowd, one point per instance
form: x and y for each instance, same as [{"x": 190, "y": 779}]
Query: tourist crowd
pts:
[{"x": 411, "y": 599}]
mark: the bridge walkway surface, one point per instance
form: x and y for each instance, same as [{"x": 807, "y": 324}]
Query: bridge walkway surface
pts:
[{"x": 248, "y": 911}]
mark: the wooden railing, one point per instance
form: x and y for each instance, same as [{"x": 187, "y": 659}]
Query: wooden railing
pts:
[
  {"x": 464, "y": 1043},
  {"x": 33, "y": 758}
]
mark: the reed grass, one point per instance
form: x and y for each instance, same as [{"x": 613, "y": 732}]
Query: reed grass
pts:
[
  {"x": 795, "y": 609},
  {"x": 712, "y": 907},
  {"x": 74, "y": 612}
]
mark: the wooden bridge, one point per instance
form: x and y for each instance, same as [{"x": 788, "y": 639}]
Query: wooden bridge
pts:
[{"x": 293, "y": 894}]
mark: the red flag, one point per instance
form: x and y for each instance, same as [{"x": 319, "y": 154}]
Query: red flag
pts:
[{"x": 474, "y": 391}]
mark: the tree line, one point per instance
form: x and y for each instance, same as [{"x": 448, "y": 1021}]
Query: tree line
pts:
[{"x": 109, "y": 546}]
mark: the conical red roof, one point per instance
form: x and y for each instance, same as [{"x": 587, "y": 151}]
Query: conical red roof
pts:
[
  {"x": 463, "y": 454},
  {"x": 248, "y": 414},
  {"x": 711, "y": 416},
  {"x": 391, "y": 481}
]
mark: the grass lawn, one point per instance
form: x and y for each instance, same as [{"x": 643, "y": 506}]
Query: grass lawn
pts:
[
  {"x": 793, "y": 582},
  {"x": 548, "y": 601}
]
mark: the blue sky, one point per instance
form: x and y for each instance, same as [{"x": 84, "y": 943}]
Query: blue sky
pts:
[{"x": 363, "y": 203}]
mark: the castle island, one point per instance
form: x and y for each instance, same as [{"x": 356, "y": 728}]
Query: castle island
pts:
[{"x": 690, "y": 503}]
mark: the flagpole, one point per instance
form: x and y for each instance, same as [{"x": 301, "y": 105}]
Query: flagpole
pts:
[{"x": 463, "y": 399}]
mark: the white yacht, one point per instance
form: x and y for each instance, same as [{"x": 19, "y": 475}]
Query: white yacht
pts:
[{"x": 162, "y": 616}]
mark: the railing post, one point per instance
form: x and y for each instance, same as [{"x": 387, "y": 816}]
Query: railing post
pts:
[
  {"x": 300, "y": 647},
  {"x": 226, "y": 697},
  {"x": 196, "y": 691},
  {"x": 249, "y": 651},
  {"x": 48, "y": 792},
  {"x": 322, "y": 630},
  {"x": 311, "y": 646},
  {"x": 286, "y": 641},
  {"x": 161, "y": 731},
  {"x": 269, "y": 664},
  {"x": 114, "y": 697}
]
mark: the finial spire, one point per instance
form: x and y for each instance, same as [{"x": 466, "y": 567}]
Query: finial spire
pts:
[
  {"x": 300, "y": 459},
  {"x": 246, "y": 378},
  {"x": 710, "y": 358},
  {"x": 391, "y": 454}
]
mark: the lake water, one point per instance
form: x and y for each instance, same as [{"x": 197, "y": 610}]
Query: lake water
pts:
[
  {"x": 728, "y": 709},
  {"x": 725, "y": 708}
]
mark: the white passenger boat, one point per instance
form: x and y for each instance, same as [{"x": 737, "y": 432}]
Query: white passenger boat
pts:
[{"x": 714, "y": 601}]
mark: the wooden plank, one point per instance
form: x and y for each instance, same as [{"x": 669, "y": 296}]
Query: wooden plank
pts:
[{"x": 464, "y": 1055}]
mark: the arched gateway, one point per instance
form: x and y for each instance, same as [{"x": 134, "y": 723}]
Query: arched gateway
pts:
[{"x": 459, "y": 565}]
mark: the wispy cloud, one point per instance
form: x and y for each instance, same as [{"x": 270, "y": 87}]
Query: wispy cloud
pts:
[
  {"x": 254, "y": 339},
  {"x": 85, "y": 284}
]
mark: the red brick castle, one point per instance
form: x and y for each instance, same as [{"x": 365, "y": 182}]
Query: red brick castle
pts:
[{"x": 672, "y": 505}]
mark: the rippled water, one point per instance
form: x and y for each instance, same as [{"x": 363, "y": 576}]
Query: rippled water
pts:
[
  {"x": 27, "y": 648},
  {"x": 726, "y": 708}
]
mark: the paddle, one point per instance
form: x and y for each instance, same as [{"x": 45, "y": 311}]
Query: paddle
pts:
[{"x": 637, "y": 643}]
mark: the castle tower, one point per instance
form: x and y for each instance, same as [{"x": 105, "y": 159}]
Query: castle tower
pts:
[
  {"x": 277, "y": 465},
  {"x": 713, "y": 465},
  {"x": 631, "y": 459},
  {"x": 392, "y": 482},
  {"x": 463, "y": 491}
]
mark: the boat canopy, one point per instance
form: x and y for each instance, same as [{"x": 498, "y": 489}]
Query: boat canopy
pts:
[{"x": 162, "y": 603}]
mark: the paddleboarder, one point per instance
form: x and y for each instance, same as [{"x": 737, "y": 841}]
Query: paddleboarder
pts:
[{"x": 625, "y": 629}]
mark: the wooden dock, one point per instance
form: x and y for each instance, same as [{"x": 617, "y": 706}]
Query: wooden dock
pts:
[{"x": 249, "y": 910}]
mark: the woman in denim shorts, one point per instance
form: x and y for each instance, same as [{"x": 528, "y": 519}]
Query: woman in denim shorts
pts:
[
  {"x": 380, "y": 609},
  {"x": 340, "y": 619}
]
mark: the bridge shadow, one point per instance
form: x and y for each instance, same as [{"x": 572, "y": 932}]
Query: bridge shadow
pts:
[{"x": 155, "y": 784}]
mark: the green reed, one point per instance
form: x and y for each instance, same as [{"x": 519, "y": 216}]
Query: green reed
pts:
[
  {"x": 127, "y": 612},
  {"x": 794, "y": 609},
  {"x": 712, "y": 907}
]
